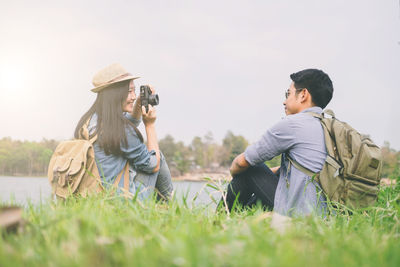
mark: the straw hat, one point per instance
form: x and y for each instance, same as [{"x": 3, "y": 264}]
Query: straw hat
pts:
[{"x": 110, "y": 75}]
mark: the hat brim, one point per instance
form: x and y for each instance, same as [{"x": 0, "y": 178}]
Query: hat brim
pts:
[{"x": 99, "y": 88}]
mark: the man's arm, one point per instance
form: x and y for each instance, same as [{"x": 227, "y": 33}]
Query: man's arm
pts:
[{"x": 239, "y": 164}]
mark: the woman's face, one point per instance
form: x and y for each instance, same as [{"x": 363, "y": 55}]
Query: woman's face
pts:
[{"x": 127, "y": 106}]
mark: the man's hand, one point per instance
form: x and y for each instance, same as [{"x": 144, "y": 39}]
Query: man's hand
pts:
[
  {"x": 239, "y": 164},
  {"x": 275, "y": 169}
]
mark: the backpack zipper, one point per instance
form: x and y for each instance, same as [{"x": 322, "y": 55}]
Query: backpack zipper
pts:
[{"x": 349, "y": 142}]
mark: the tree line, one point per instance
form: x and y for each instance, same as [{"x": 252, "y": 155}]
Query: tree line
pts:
[
  {"x": 203, "y": 153},
  {"x": 29, "y": 158},
  {"x": 25, "y": 157},
  {"x": 391, "y": 161}
]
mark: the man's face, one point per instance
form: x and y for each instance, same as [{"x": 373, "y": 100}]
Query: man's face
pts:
[
  {"x": 127, "y": 106},
  {"x": 292, "y": 103}
]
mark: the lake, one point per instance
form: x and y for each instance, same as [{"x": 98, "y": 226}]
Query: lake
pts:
[{"x": 22, "y": 190}]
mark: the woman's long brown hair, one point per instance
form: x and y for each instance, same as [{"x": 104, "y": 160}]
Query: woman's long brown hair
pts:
[{"x": 111, "y": 123}]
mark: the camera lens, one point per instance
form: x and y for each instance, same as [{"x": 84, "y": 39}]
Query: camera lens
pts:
[{"x": 154, "y": 100}]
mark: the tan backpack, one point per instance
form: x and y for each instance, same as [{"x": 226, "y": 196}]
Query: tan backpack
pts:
[
  {"x": 352, "y": 170},
  {"x": 73, "y": 169}
]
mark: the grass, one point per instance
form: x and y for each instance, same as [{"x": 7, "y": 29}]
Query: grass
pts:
[{"x": 104, "y": 231}]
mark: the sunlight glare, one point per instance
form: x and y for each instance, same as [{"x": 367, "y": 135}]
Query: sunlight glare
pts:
[{"x": 12, "y": 79}]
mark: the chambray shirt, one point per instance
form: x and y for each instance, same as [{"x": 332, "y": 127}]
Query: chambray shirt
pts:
[
  {"x": 135, "y": 151},
  {"x": 301, "y": 137}
]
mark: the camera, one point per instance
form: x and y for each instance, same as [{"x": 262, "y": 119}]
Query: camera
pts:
[{"x": 146, "y": 97}]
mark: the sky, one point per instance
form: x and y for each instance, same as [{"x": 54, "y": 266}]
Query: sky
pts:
[{"x": 216, "y": 65}]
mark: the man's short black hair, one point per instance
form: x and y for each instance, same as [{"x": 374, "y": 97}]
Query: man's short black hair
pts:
[{"x": 318, "y": 84}]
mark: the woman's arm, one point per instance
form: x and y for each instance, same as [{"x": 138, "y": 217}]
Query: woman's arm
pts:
[
  {"x": 137, "y": 109},
  {"x": 149, "y": 120}
]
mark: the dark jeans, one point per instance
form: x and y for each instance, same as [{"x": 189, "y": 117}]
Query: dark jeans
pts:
[{"x": 256, "y": 184}]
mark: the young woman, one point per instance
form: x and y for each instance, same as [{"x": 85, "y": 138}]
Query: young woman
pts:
[{"x": 114, "y": 118}]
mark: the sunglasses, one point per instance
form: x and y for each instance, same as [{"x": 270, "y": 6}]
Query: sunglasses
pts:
[{"x": 287, "y": 93}]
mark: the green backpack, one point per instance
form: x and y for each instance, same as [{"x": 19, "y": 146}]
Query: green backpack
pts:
[{"x": 352, "y": 170}]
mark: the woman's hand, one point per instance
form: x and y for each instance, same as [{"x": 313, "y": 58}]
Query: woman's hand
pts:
[
  {"x": 153, "y": 91},
  {"x": 137, "y": 106},
  {"x": 149, "y": 118}
]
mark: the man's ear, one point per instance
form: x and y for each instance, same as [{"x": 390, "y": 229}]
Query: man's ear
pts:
[{"x": 305, "y": 95}]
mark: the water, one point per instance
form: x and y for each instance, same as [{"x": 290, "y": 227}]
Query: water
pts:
[{"x": 22, "y": 190}]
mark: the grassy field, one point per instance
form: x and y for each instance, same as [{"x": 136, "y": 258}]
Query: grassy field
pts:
[{"x": 114, "y": 232}]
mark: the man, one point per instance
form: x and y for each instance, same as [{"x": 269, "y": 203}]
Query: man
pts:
[{"x": 299, "y": 136}]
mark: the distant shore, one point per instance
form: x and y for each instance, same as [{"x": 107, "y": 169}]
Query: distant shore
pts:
[
  {"x": 190, "y": 177},
  {"x": 203, "y": 176}
]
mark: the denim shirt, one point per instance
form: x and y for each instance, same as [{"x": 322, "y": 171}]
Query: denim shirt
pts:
[
  {"x": 140, "y": 159},
  {"x": 301, "y": 137}
]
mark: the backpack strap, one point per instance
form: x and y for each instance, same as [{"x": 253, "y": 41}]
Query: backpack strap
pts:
[
  {"x": 322, "y": 115},
  {"x": 126, "y": 181},
  {"x": 330, "y": 113},
  {"x": 84, "y": 133},
  {"x": 316, "y": 115},
  {"x": 329, "y": 159},
  {"x": 125, "y": 172},
  {"x": 321, "y": 118},
  {"x": 300, "y": 167}
]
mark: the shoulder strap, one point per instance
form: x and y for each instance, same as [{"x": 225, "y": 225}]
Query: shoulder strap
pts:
[
  {"x": 125, "y": 172},
  {"x": 84, "y": 133},
  {"x": 322, "y": 115},
  {"x": 300, "y": 167},
  {"x": 330, "y": 113},
  {"x": 316, "y": 115},
  {"x": 328, "y": 127}
]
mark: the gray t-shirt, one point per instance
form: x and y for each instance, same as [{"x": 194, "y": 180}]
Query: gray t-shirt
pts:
[{"x": 301, "y": 137}]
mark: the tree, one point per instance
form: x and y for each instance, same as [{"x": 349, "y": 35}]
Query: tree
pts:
[
  {"x": 210, "y": 150},
  {"x": 391, "y": 161},
  {"x": 232, "y": 145},
  {"x": 276, "y": 161},
  {"x": 177, "y": 155},
  {"x": 182, "y": 158},
  {"x": 197, "y": 148},
  {"x": 25, "y": 158},
  {"x": 5, "y": 154},
  {"x": 167, "y": 146}
]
